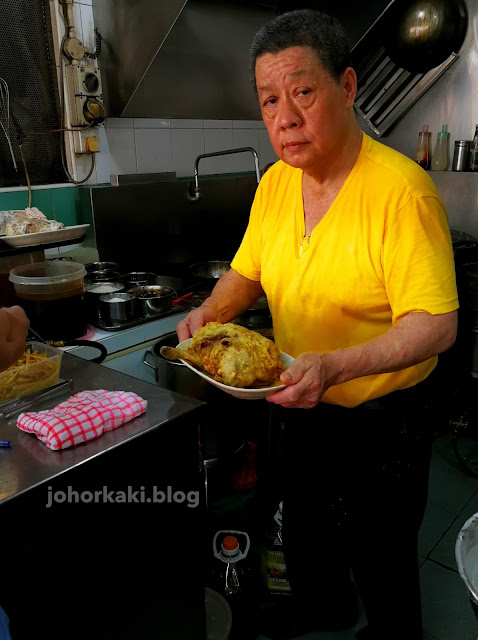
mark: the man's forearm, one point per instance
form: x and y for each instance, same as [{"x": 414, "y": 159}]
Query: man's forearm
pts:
[
  {"x": 232, "y": 295},
  {"x": 417, "y": 337}
]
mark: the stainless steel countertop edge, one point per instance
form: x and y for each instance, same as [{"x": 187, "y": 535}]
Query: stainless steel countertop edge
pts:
[{"x": 30, "y": 463}]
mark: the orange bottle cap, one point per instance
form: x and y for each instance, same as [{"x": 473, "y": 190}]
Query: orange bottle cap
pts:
[{"x": 230, "y": 543}]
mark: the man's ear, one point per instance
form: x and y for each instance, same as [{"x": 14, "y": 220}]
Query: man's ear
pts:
[{"x": 349, "y": 84}]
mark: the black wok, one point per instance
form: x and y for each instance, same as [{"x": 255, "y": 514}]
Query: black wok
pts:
[{"x": 421, "y": 34}]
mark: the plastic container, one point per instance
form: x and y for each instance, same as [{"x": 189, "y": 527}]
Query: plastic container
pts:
[
  {"x": 52, "y": 295},
  {"x": 27, "y": 378},
  {"x": 422, "y": 153},
  {"x": 232, "y": 576},
  {"x": 218, "y": 616},
  {"x": 7, "y": 263},
  {"x": 440, "y": 155}
]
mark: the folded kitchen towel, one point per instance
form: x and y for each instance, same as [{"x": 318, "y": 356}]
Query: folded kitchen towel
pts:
[{"x": 85, "y": 416}]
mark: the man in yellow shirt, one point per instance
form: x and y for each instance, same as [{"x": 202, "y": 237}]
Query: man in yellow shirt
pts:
[{"x": 349, "y": 240}]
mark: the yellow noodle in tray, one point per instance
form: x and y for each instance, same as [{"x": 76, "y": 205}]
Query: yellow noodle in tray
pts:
[{"x": 37, "y": 369}]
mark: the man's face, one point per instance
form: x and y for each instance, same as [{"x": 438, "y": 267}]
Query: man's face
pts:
[{"x": 305, "y": 110}]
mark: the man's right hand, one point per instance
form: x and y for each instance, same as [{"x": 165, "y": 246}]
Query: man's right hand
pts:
[{"x": 194, "y": 321}]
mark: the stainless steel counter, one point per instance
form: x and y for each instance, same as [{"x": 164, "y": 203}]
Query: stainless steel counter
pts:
[
  {"x": 111, "y": 568},
  {"x": 30, "y": 462}
]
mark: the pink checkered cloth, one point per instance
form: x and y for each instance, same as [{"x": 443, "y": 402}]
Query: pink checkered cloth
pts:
[{"x": 85, "y": 416}]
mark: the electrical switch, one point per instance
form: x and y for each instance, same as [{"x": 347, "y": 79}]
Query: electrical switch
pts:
[{"x": 92, "y": 144}]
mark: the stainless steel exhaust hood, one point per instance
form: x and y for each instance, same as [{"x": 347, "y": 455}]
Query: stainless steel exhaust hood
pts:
[
  {"x": 172, "y": 58},
  {"x": 189, "y": 58}
]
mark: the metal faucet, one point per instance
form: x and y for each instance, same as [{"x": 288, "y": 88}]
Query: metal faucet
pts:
[{"x": 194, "y": 193}]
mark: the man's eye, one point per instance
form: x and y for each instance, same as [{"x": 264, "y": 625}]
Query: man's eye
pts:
[
  {"x": 304, "y": 92},
  {"x": 270, "y": 101}
]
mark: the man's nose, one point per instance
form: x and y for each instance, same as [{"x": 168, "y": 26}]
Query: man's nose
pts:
[{"x": 289, "y": 115}]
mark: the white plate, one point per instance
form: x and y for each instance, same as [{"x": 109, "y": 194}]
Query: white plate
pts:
[
  {"x": 44, "y": 237},
  {"x": 246, "y": 394}
]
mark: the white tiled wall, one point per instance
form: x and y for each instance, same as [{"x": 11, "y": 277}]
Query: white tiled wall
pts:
[{"x": 148, "y": 145}]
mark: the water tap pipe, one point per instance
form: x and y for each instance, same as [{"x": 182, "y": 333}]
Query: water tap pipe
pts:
[{"x": 194, "y": 193}]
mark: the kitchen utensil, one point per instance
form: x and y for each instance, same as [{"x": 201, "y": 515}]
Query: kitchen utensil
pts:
[
  {"x": 152, "y": 300},
  {"x": 214, "y": 269},
  {"x": 94, "y": 291},
  {"x": 421, "y": 34},
  {"x": 117, "y": 308},
  {"x": 102, "y": 266},
  {"x": 74, "y": 343},
  {"x": 185, "y": 297},
  {"x": 103, "y": 275},
  {"x": 9, "y": 409},
  {"x": 138, "y": 278}
]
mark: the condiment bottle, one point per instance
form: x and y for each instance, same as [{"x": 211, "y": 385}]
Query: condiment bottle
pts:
[
  {"x": 273, "y": 568},
  {"x": 231, "y": 571},
  {"x": 440, "y": 156},
  {"x": 233, "y": 578},
  {"x": 422, "y": 157},
  {"x": 473, "y": 156}
]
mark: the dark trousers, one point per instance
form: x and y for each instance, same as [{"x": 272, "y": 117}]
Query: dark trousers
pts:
[{"x": 356, "y": 484}]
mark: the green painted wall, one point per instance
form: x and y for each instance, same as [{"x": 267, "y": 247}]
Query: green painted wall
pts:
[{"x": 63, "y": 205}]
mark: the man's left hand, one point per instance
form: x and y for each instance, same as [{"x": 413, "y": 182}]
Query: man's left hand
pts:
[{"x": 307, "y": 379}]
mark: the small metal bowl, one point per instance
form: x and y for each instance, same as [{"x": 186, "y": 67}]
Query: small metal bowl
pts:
[
  {"x": 116, "y": 308},
  {"x": 93, "y": 293},
  {"x": 103, "y": 275},
  {"x": 102, "y": 266},
  {"x": 138, "y": 278},
  {"x": 152, "y": 300}
]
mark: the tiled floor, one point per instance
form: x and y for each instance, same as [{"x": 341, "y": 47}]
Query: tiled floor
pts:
[{"x": 453, "y": 498}]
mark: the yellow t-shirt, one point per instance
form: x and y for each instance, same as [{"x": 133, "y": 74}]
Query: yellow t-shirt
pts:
[{"x": 382, "y": 250}]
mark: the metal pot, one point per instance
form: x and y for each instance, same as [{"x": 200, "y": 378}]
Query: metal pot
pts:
[
  {"x": 103, "y": 275},
  {"x": 213, "y": 269},
  {"x": 94, "y": 291},
  {"x": 116, "y": 308},
  {"x": 138, "y": 278},
  {"x": 421, "y": 34},
  {"x": 152, "y": 300},
  {"x": 222, "y": 430},
  {"x": 102, "y": 266}
]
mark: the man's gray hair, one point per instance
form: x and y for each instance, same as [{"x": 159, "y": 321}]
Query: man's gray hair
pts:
[{"x": 304, "y": 28}]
